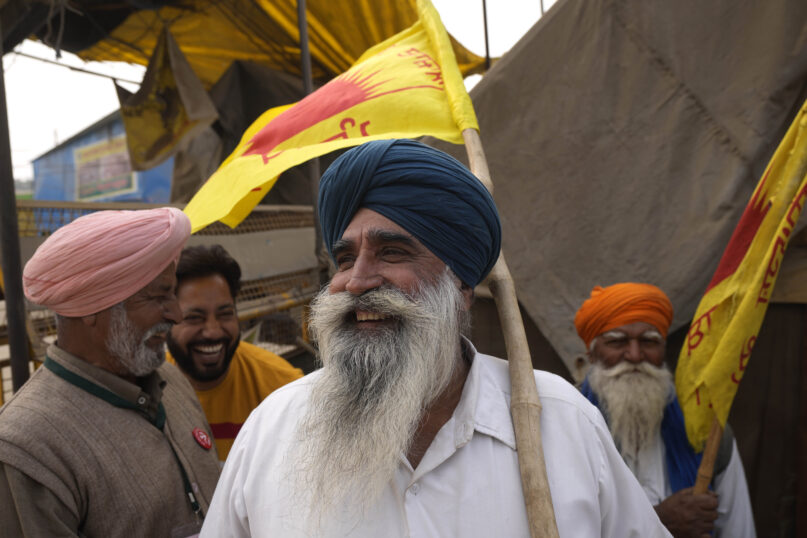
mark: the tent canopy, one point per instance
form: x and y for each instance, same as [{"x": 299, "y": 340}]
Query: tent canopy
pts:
[{"x": 212, "y": 34}]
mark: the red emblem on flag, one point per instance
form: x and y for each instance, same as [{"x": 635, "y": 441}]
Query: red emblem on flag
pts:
[
  {"x": 202, "y": 438},
  {"x": 743, "y": 235}
]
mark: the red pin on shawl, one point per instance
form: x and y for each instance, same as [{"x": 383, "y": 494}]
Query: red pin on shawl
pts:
[{"x": 202, "y": 438}]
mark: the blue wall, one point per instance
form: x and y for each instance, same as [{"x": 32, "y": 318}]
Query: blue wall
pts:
[{"x": 55, "y": 172}]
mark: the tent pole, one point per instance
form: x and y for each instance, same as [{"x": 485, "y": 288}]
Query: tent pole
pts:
[
  {"x": 313, "y": 164},
  {"x": 10, "y": 245},
  {"x": 485, "y": 21},
  {"x": 525, "y": 405},
  {"x": 305, "y": 53}
]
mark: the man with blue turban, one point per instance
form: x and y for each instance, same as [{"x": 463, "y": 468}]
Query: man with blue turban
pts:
[{"x": 406, "y": 430}]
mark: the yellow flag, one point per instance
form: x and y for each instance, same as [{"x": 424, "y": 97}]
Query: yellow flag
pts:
[
  {"x": 404, "y": 87},
  {"x": 724, "y": 329}
]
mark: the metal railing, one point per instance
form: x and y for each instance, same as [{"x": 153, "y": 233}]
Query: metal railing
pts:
[{"x": 272, "y": 309}]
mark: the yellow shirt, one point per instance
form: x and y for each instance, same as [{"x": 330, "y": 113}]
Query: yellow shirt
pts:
[{"x": 252, "y": 375}]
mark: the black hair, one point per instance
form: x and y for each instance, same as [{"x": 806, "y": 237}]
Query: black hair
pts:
[{"x": 202, "y": 260}]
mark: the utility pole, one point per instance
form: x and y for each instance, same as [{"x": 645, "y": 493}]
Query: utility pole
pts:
[{"x": 10, "y": 251}]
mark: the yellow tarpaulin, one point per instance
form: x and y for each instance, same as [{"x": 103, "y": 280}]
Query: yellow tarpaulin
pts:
[{"x": 212, "y": 35}]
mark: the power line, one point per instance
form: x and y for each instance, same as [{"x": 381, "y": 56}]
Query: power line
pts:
[{"x": 71, "y": 67}]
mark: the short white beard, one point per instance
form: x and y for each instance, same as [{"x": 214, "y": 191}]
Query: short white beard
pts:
[
  {"x": 373, "y": 390},
  {"x": 633, "y": 397},
  {"x": 132, "y": 353}
]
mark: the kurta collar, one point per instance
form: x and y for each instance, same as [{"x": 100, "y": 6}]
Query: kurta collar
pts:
[
  {"x": 485, "y": 402},
  {"x": 483, "y": 407}
]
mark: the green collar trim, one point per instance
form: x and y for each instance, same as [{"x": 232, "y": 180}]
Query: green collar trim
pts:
[{"x": 102, "y": 393}]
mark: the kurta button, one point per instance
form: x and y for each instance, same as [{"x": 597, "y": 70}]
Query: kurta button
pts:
[
  {"x": 141, "y": 400},
  {"x": 415, "y": 489}
]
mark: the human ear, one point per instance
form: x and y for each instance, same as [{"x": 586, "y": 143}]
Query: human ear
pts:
[
  {"x": 90, "y": 321},
  {"x": 467, "y": 294}
]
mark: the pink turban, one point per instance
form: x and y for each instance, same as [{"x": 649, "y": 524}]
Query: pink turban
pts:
[{"x": 100, "y": 259}]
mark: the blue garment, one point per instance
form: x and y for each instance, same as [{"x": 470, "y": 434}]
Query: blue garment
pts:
[
  {"x": 682, "y": 461},
  {"x": 423, "y": 190}
]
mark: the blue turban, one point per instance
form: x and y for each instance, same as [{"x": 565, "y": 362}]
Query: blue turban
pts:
[{"x": 424, "y": 191}]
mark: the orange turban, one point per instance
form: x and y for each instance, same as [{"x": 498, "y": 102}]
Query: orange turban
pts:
[
  {"x": 621, "y": 304},
  {"x": 100, "y": 259}
]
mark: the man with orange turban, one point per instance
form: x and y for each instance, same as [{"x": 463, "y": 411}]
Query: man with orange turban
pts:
[
  {"x": 624, "y": 327},
  {"x": 105, "y": 439}
]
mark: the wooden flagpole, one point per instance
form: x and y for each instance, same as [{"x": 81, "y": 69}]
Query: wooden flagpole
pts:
[
  {"x": 525, "y": 406},
  {"x": 707, "y": 466}
]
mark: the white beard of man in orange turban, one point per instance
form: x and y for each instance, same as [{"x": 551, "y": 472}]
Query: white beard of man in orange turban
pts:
[{"x": 633, "y": 393}]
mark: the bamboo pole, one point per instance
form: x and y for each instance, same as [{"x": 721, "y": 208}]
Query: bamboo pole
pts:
[
  {"x": 707, "y": 466},
  {"x": 525, "y": 406}
]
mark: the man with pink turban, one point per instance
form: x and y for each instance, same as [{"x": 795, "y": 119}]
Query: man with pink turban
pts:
[
  {"x": 624, "y": 327},
  {"x": 105, "y": 439}
]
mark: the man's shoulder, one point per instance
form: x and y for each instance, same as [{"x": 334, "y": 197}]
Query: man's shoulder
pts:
[
  {"x": 35, "y": 421},
  {"x": 39, "y": 399},
  {"x": 279, "y": 411},
  {"x": 293, "y": 394},
  {"x": 554, "y": 391},
  {"x": 258, "y": 357}
]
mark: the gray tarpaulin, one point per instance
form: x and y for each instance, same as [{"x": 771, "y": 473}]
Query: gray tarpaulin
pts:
[{"x": 624, "y": 139}]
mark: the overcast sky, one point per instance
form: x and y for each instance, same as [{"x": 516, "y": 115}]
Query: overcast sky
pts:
[{"x": 48, "y": 103}]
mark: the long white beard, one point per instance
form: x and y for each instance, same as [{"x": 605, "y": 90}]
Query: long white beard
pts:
[
  {"x": 374, "y": 387},
  {"x": 122, "y": 342},
  {"x": 633, "y": 397}
]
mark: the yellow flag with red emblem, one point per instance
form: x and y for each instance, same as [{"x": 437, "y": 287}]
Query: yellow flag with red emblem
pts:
[
  {"x": 404, "y": 87},
  {"x": 722, "y": 335}
]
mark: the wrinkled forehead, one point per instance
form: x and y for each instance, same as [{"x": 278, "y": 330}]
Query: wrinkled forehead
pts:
[
  {"x": 638, "y": 329},
  {"x": 367, "y": 220},
  {"x": 373, "y": 228}
]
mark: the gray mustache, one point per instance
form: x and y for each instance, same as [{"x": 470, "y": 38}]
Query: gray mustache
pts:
[
  {"x": 387, "y": 300},
  {"x": 160, "y": 328}
]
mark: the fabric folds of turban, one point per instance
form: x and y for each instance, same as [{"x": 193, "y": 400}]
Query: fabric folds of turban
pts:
[
  {"x": 621, "y": 304},
  {"x": 100, "y": 259},
  {"x": 423, "y": 190}
]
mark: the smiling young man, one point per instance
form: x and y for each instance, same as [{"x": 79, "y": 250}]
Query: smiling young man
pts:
[
  {"x": 105, "y": 439},
  {"x": 406, "y": 429},
  {"x": 624, "y": 327},
  {"x": 231, "y": 377}
]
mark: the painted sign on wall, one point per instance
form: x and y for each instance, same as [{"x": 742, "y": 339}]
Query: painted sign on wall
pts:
[{"x": 103, "y": 169}]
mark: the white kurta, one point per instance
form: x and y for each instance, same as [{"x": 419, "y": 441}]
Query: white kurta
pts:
[
  {"x": 467, "y": 483},
  {"x": 735, "y": 518}
]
